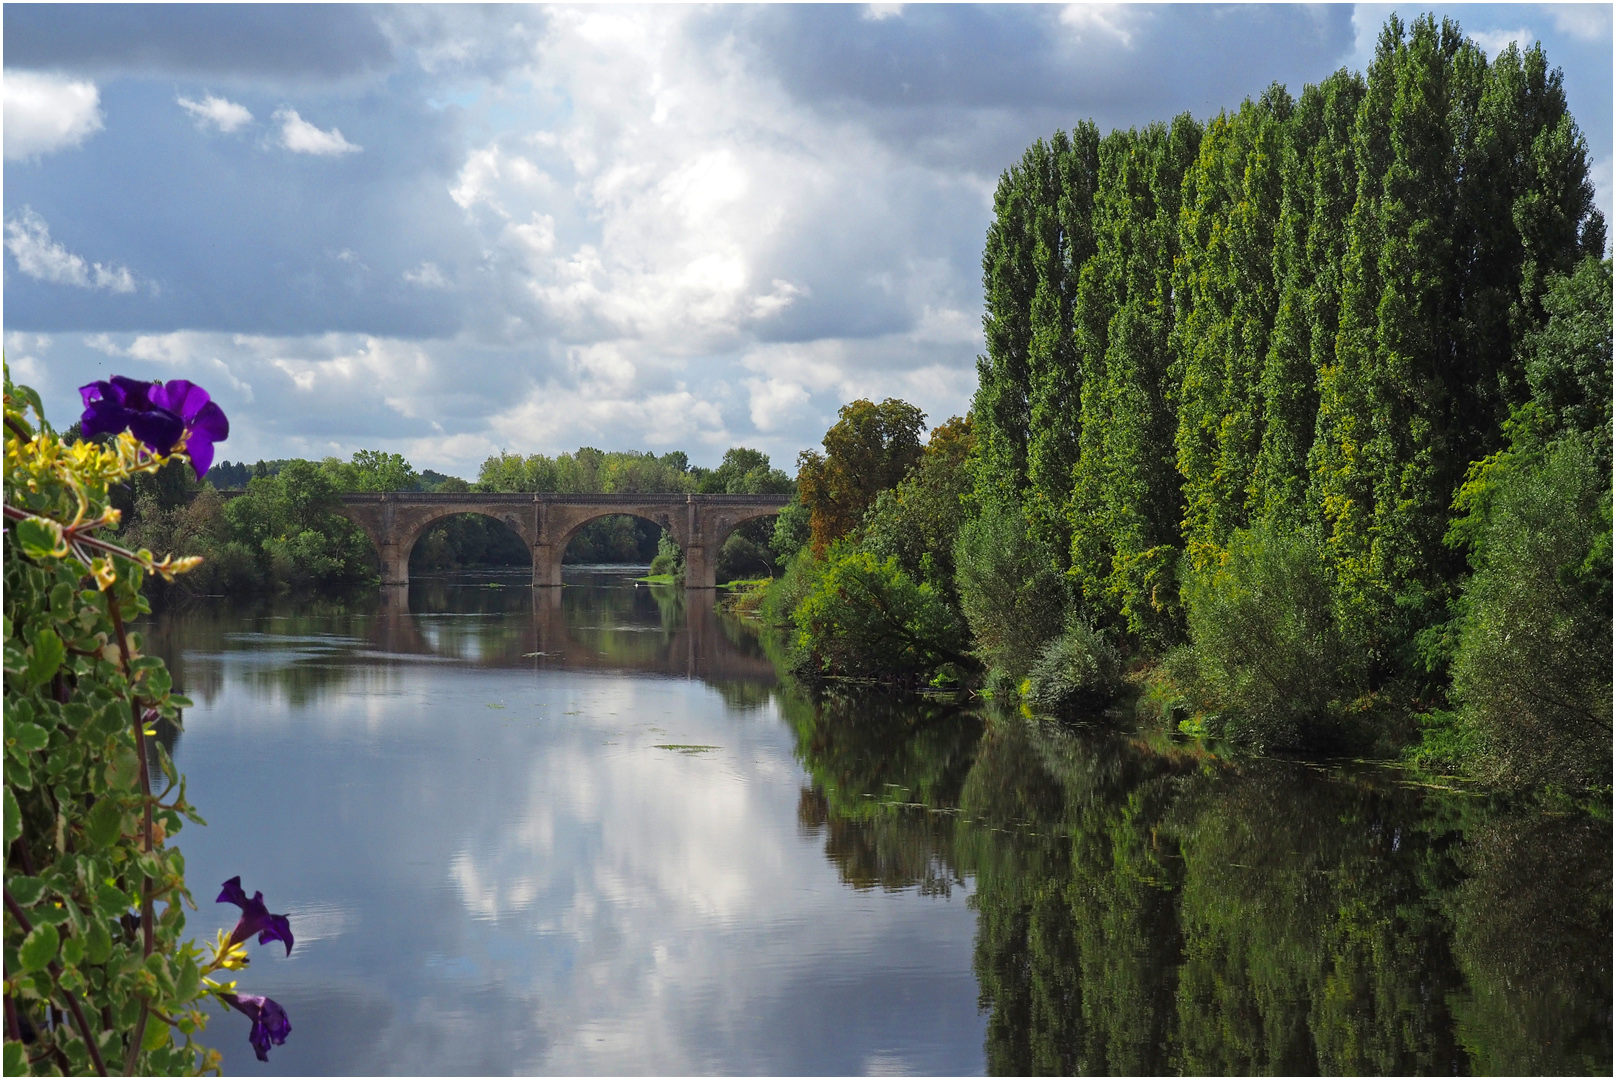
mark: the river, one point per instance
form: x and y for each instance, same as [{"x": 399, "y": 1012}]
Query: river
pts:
[{"x": 590, "y": 830}]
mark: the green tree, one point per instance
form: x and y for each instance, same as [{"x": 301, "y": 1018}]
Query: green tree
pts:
[
  {"x": 1010, "y": 592},
  {"x": 918, "y": 521},
  {"x": 1226, "y": 299},
  {"x": 1127, "y": 502},
  {"x": 1472, "y": 186},
  {"x": 1320, "y": 184},
  {"x": 867, "y": 450},
  {"x": 291, "y": 524}
]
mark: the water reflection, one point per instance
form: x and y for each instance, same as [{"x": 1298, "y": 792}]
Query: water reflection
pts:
[
  {"x": 589, "y": 830},
  {"x": 1145, "y": 908},
  {"x": 583, "y": 861},
  {"x": 605, "y": 622}
]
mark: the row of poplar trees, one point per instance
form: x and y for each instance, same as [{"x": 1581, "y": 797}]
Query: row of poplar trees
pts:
[{"x": 1305, "y": 314}]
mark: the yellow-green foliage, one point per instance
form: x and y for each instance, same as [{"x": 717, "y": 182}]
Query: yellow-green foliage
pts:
[{"x": 88, "y": 841}]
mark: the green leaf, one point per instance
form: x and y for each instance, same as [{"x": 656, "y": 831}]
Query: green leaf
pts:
[
  {"x": 104, "y": 822},
  {"x": 50, "y": 915},
  {"x": 39, "y": 949},
  {"x": 18, "y": 775},
  {"x": 159, "y": 682},
  {"x": 97, "y": 942},
  {"x": 157, "y": 1037},
  {"x": 13, "y": 815},
  {"x": 73, "y": 950},
  {"x": 124, "y": 768},
  {"x": 111, "y": 901},
  {"x": 26, "y": 890},
  {"x": 16, "y": 1056},
  {"x": 40, "y": 539},
  {"x": 29, "y": 736},
  {"x": 44, "y": 656},
  {"x": 187, "y": 980}
]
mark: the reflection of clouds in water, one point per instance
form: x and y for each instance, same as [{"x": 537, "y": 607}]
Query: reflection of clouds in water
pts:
[
  {"x": 613, "y": 908},
  {"x": 676, "y": 891},
  {"x": 316, "y": 921}
]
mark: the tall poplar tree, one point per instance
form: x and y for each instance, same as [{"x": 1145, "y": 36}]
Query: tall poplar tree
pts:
[
  {"x": 1470, "y": 177},
  {"x": 1320, "y": 183},
  {"x": 1225, "y": 296},
  {"x": 1127, "y": 502}
]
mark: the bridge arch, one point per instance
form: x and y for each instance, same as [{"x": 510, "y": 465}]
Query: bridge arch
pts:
[{"x": 546, "y": 523}]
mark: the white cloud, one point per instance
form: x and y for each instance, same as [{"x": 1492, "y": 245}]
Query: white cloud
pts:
[
  {"x": 223, "y": 114},
  {"x": 427, "y": 276},
  {"x": 1586, "y": 22},
  {"x": 44, "y": 113},
  {"x": 28, "y": 240},
  {"x": 302, "y": 137},
  {"x": 773, "y": 401},
  {"x": 24, "y": 357},
  {"x": 782, "y": 294},
  {"x": 1494, "y": 42},
  {"x": 1099, "y": 22},
  {"x": 880, "y": 12}
]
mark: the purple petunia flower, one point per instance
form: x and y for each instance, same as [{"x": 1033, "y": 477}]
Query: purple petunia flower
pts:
[
  {"x": 270, "y": 1025},
  {"x": 255, "y": 917},
  {"x": 158, "y": 414}
]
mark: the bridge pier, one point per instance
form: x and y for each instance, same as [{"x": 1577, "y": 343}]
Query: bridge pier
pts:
[
  {"x": 395, "y": 560},
  {"x": 546, "y": 566},
  {"x": 701, "y": 571}
]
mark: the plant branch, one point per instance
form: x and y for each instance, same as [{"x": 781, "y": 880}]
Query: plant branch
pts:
[
  {"x": 132, "y": 1059},
  {"x": 72, "y": 1002}
]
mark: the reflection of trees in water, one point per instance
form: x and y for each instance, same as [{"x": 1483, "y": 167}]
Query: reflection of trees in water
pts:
[
  {"x": 303, "y": 649},
  {"x": 886, "y": 780},
  {"x": 1144, "y": 908},
  {"x": 1533, "y": 922}
]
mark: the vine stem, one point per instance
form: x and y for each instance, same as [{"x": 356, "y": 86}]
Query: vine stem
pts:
[
  {"x": 72, "y": 1002},
  {"x": 132, "y": 1058}
]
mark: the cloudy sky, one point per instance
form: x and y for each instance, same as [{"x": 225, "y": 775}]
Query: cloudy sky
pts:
[{"x": 448, "y": 231}]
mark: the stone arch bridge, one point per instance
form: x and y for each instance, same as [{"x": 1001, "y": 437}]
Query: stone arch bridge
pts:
[{"x": 394, "y": 520}]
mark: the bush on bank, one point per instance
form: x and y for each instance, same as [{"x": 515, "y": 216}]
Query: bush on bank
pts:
[{"x": 864, "y": 617}]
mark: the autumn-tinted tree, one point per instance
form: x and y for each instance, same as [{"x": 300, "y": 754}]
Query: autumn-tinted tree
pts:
[{"x": 867, "y": 450}]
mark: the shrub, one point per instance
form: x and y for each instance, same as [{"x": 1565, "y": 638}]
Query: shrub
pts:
[
  {"x": 782, "y": 598},
  {"x": 670, "y": 559},
  {"x": 1269, "y": 656},
  {"x": 1010, "y": 592},
  {"x": 745, "y": 553},
  {"x": 1078, "y": 670},
  {"x": 866, "y": 618},
  {"x": 1532, "y": 668}
]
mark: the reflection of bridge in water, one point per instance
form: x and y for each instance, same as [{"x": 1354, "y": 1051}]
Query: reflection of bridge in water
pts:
[
  {"x": 691, "y": 642},
  {"x": 394, "y": 520}
]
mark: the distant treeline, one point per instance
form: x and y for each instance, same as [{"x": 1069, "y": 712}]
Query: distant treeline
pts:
[
  {"x": 285, "y": 532},
  {"x": 1308, "y": 406}
]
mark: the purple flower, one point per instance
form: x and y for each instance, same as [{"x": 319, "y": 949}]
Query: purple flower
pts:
[
  {"x": 269, "y": 1023},
  {"x": 255, "y": 917},
  {"x": 158, "y": 414}
]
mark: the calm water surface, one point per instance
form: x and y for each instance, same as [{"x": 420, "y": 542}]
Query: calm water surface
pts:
[{"x": 589, "y": 830}]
